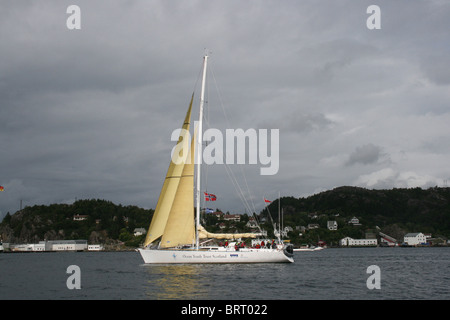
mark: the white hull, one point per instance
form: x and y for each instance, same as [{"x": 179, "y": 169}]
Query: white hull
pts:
[{"x": 214, "y": 256}]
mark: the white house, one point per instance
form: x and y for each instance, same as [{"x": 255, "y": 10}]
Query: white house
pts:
[
  {"x": 413, "y": 239},
  {"x": 39, "y": 246},
  {"x": 66, "y": 245},
  {"x": 95, "y": 247},
  {"x": 29, "y": 247},
  {"x": 251, "y": 223},
  {"x": 347, "y": 241},
  {"x": 139, "y": 231},
  {"x": 313, "y": 226},
  {"x": 332, "y": 225},
  {"x": 80, "y": 217},
  {"x": 354, "y": 221},
  {"x": 232, "y": 217}
]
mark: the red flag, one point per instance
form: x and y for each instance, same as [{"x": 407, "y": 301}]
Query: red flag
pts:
[
  {"x": 210, "y": 197},
  {"x": 1, "y": 188},
  {"x": 268, "y": 201}
]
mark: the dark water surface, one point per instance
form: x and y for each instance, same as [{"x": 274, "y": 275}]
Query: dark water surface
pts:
[{"x": 337, "y": 274}]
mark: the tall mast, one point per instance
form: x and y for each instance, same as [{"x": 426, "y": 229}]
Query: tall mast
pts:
[{"x": 199, "y": 148}]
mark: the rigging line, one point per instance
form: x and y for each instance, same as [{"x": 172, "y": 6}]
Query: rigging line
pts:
[
  {"x": 206, "y": 121},
  {"x": 228, "y": 123},
  {"x": 242, "y": 197},
  {"x": 228, "y": 170},
  {"x": 220, "y": 97},
  {"x": 198, "y": 77},
  {"x": 194, "y": 89},
  {"x": 207, "y": 124},
  {"x": 237, "y": 188},
  {"x": 241, "y": 194},
  {"x": 270, "y": 216},
  {"x": 236, "y": 185},
  {"x": 248, "y": 190}
]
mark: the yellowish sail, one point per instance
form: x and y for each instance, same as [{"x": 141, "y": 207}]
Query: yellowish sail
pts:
[
  {"x": 180, "y": 227},
  {"x": 169, "y": 188},
  {"x": 203, "y": 234}
]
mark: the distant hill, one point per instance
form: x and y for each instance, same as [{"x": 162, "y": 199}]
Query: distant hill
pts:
[
  {"x": 98, "y": 221},
  {"x": 395, "y": 212}
]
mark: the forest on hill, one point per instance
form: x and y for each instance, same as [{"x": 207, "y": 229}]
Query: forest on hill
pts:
[
  {"x": 394, "y": 212},
  {"x": 99, "y": 221}
]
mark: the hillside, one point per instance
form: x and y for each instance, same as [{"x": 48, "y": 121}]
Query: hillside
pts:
[
  {"x": 104, "y": 222},
  {"x": 396, "y": 212}
]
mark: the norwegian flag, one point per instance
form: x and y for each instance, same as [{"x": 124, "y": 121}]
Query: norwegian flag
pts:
[{"x": 210, "y": 197}]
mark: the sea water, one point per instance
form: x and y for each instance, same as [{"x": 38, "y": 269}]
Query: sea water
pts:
[{"x": 331, "y": 274}]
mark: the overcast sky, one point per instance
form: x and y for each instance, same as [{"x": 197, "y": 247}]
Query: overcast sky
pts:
[{"x": 89, "y": 113}]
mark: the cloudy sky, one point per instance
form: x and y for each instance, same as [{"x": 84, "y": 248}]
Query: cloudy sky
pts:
[{"x": 89, "y": 113}]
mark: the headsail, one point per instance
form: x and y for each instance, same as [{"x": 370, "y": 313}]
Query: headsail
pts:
[
  {"x": 169, "y": 188},
  {"x": 180, "y": 228}
]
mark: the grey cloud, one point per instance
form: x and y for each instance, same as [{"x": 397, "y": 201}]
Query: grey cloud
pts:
[
  {"x": 388, "y": 177},
  {"x": 300, "y": 122},
  {"x": 366, "y": 154},
  {"x": 436, "y": 66},
  {"x": 89, "y": 113}
]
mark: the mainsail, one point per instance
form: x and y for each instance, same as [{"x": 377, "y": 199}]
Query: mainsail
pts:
[
  {"x": 170, "y": 186},
  {"x": 203, "y": 234}
]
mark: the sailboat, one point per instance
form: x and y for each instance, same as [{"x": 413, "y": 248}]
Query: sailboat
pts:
[{"x": 175, "y": 232}]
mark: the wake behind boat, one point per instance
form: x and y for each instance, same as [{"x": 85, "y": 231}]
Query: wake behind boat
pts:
[
  {"x": 175, "y": 232},
  {"x": 308, "y": 249}
]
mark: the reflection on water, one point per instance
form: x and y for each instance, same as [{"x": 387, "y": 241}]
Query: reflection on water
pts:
[
  {"x": 214, "y": 281},
  {"x": 174, "y": 282}
]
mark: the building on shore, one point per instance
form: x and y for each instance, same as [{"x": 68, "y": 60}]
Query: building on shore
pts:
[
  {"x": 52, "y": 245},
  {"x": 414, "y": 239},
  {"x": 66, "y": 245},
  {"x": 350, "y": 242},
  {"x": 332, "y": 225},
  {"x": 28, "y": 247},
  {"x": 95, "y": 247}
]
